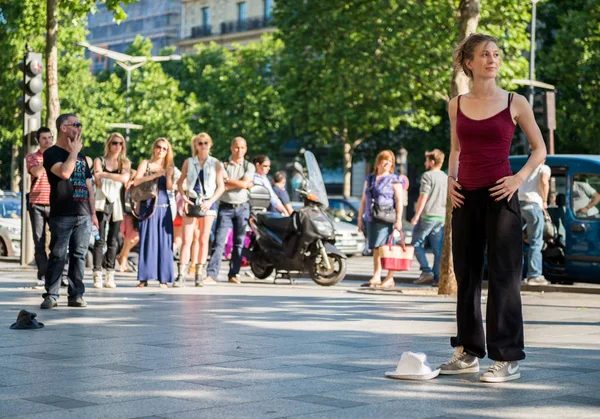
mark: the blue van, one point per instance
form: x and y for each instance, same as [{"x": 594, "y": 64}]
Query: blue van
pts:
[{"x": 573, "y": 253}]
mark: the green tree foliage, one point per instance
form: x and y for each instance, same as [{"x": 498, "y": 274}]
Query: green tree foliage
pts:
[
  {"x": 353, "y": 68},
  {"x": 158, "y": 104},
  {"x": 234, "y": 93},
  {"x": 23, "y": 22},
  {"x": 569, "y": 59}
]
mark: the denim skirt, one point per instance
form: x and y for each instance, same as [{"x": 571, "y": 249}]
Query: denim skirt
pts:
[{"x": 378, "y": 234}]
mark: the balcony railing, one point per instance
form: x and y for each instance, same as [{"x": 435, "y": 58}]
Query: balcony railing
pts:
[
  {"x": 201, "y": 31},
  {"x": 245, "y": 25}
]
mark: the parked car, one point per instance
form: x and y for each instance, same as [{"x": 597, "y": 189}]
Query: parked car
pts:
[
  {"x": 347, "y": 237},
  {"x": 10, "y": 194},
  {"x": 573, "y": 254},
  {"x": 10, "y": 227},
  {"x": 344, "y": 208}
]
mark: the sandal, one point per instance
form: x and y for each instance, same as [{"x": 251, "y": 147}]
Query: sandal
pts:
[
  {"x": 369, "y": 285},
  {"x": 163, "y": 285},
  {"x": 142, "y": 284},
  {"x": 386, "y": 285}
]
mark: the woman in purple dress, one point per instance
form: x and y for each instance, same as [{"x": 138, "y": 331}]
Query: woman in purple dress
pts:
[{"x": 156, "y": 224}]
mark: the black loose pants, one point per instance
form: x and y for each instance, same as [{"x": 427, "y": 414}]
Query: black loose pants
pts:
[{"x": 479, "y": 223}]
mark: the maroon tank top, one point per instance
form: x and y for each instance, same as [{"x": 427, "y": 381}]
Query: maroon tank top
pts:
[{"x": 484, "y": 147}]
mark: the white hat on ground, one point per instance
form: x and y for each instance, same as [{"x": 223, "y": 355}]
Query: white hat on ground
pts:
[{"x": 413, "y": 366}]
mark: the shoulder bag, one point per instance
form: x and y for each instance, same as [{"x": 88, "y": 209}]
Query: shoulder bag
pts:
[
  {"x": 381, "y": 213},
  {"x": 143, "y": 192}
]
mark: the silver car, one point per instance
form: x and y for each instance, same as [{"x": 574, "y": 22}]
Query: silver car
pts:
[{"x": 10, "y": 227}]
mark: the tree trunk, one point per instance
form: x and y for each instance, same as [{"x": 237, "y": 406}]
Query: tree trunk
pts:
[
  {"x": 469, "y": 13},
  {"x": 15, "y": 168},
  {"x": 52, "y": 102},
  {"x": 348, "y": 152}
]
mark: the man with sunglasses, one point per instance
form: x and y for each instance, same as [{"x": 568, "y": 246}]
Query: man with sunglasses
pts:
[{"x": 71, "y": 207}]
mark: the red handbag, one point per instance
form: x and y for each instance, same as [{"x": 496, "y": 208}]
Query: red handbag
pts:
[{"x": 396, "y": 257}]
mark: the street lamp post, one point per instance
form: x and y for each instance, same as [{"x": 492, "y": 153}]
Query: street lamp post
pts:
[
  {"x": 532, "y": 50},
  {"x": 128, "y": 63}
]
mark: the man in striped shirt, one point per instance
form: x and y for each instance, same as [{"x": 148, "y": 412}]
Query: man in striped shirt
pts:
[{"x": 38, "y": 203}]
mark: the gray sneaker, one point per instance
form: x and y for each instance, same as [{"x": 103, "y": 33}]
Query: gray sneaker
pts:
[
  {"x": 49, "y": 302},
  {"x": 76, "y": 302},
  {"x": 461, "y": 363},
  {"x": 502, "y": 371},
  {"x": 425, "y": 278},
  {"x": 540, "y": 280}
]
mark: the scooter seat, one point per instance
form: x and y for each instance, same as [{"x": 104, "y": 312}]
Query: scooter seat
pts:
[{"x": 274, "y": 221}]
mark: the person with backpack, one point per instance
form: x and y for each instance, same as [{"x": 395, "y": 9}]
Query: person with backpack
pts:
[
  {"x": 111, "y": 172},
  {"x": 233, "y": 208}
]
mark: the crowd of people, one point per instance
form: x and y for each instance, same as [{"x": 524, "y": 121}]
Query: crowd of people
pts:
[
  {"x": 488, "y": 202},
  {"x": 78, "y": 197}
]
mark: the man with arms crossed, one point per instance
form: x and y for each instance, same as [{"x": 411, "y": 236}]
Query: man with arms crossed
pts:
[{"x": 233, "y": 208}]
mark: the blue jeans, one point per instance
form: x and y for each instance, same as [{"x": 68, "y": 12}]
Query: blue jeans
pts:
[
  {"x": 227, "y": 216},
  {"x": 72, "y": 234},
  {"x": 534, "y": 217},
  {"x": 434, "y": 230}
]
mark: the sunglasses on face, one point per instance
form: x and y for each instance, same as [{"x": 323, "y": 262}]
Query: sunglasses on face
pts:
[
  {"x": 119, "y": 143},
  {"x": 76, "y": 125},
  {"x": 202, "y": 143}
]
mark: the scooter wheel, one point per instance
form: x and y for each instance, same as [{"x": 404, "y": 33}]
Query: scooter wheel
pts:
[
  {"x": 261, "y": 271},
  {"x": 328, "y": 277}
]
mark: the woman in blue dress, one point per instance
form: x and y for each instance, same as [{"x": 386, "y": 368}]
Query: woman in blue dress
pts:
[{"x": 156, "y": 224}]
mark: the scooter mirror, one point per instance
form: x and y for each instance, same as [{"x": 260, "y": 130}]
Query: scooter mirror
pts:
[{"x": 298, "y": 168}]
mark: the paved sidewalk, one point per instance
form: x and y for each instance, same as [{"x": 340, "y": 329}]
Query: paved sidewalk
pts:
[{"x": 265, "y": 351}]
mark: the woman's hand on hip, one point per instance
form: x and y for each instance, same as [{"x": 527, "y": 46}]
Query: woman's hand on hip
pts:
[
  {"x": 456, "y": 198},
  {"x": 505, "y": 188}
]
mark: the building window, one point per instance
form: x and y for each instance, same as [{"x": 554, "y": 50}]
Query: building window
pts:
[
  {"x": 206, "y": 17},
  {"x": 242, "y": 15},
  {"x": 268, "y": 10}
]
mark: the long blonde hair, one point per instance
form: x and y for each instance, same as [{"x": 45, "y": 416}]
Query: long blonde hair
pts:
[
  {"x": 168, "y": 160},
  {"x": 122, "y": 157}
]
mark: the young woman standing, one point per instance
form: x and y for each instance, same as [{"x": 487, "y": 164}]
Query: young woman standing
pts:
[
  {"x": 486, "y": 214},
  {"x": 156, "y": 224},
  {"x": 201, "y": 183},
  {"x": 111, "y": 172}
]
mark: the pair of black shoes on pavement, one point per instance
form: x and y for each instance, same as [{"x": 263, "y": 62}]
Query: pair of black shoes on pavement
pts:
[{"x": 50, "y": 302}]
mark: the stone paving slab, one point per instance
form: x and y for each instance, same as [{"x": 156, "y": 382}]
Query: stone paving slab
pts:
[{"x": 262, "y": 351}]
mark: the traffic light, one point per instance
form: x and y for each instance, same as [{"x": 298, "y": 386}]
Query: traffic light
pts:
[
  {"x": 32, "y": 84},
  {"x": 544, "y": 108}
]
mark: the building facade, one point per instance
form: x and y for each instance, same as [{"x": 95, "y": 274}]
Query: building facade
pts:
[
  {"x": 158, "y": 20},
  {"x": 224, "y": 21}
]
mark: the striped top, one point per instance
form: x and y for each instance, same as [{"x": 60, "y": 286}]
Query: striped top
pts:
[{"x": 40, "y": 188}]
